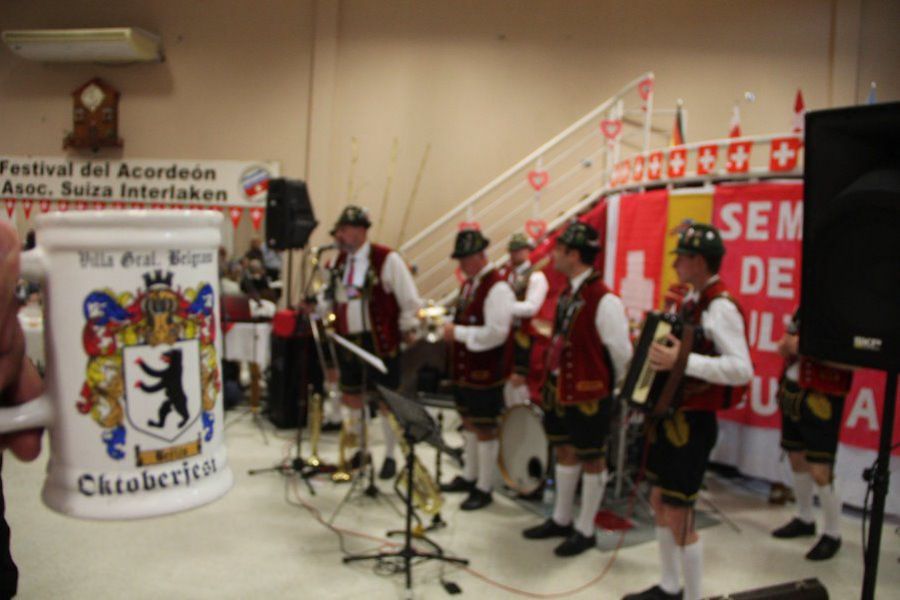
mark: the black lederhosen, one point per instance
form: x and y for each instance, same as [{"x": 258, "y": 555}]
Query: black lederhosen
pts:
[
  {"x": 584, "y": 425},
  {"x": 9, "y": 574},
  {"x": 482, "y": 406},
  {"x": 521, "y": 348},
  {"x": 810, "y": 421},
  {"x": 679, "y": 448},
  {"x": 355, "y": 372}
]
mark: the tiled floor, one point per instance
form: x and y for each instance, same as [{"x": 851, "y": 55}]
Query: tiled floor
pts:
[{"x": 256, "y": 542}]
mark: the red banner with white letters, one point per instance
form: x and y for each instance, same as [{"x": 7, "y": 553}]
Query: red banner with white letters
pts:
[{"x": 761, "y": 225}]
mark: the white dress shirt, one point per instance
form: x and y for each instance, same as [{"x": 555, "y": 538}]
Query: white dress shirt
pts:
[
  {"x": 497, "y": 318},
  {"x": 722, "y": 323},
  {"x": 394, "y": 277},
  {"x": 612, "y": 326},
  {"x": 535, "y": 293}
]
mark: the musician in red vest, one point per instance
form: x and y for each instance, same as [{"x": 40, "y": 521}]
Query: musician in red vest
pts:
[
  {"x": 375, "y": 301},
  {"x": 811, "y": 397},
  {"x": 477, "y": 340},
  {"x": 588, "y": 358},
  {"x": 716, "y": 375},
  {"x": 530, "y": 287}
]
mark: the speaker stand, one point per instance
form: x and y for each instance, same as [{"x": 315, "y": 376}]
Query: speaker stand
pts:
[{"x": 880, "y": 482}]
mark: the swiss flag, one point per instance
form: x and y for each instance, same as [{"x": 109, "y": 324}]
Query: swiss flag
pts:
[
  {"x": 27, "y": 203},
  {"x": 799, "y": 111},
  {"x": 99, "y": 205},
  {"x": 118, "y": 205},
  {"x": 235, "y": 213},
  {"x": 707, "y": 157},
  {"x": 81, "y": 205},
  {"x": 734, "y": 126},
  {"x": 625, "y": 172},
  {"x": 784, "y": 153},
  {"x": 10, "y": 206},
  {"x": 677, "y": 162},
  {"x": 739, "y": 157},
  {"x": 44, "y": 204},
  {"x": 637, "y": 172},
  {"x": 62, "y": 205},
  {"x": 256, "y": 214},
  {"x": 655, "y": 165},
  {"x": 137, "y": 205}
]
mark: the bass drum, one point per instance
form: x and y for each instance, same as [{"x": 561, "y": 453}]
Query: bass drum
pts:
[{"x": 524, "y": 449}]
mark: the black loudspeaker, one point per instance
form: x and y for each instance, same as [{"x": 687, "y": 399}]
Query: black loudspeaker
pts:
[
  {"x": 286, "y": 395},
  {"x": 289, "y": 214},
  {"x": 807, "y": 589},
  {"x": 850, "y": 291}
]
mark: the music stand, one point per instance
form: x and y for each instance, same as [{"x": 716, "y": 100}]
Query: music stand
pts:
[{"x": 418, "y": 426}]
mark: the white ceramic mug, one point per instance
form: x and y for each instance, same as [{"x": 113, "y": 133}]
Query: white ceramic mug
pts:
[{"x": 133, "y": 399}]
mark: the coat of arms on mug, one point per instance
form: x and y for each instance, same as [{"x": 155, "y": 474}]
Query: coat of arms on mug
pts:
[{"x": 152, "y": 370}]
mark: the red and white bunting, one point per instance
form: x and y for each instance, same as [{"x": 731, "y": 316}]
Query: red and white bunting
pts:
[
  {"x": 10, "y": 206},
  {"x": 235, "y": 213},
  {"x": 637, "y": 171},
  {"x": 44, "y": 204},
  {"x": 677, "y": 162},
  {"x": 157, "y": 206},
  {"x": 81, "y": 205},
  {"x": 118, "y": 205},
  {"x": 655, "y": 165},
  {"x": 739, "y": 157},
  {"x": 256, "y": 215},
  {"x": 136, "y": 205},
  {"x": 783, "y": 154},
  {"x": 27, "y": 204},
  {"x": 62, "y": 205},
  {"x": 707, "y": 157},
  {"x": 99, "y": 205}
]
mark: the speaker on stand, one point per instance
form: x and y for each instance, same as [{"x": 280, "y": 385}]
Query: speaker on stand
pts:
[{"x": 850, "y": 289}]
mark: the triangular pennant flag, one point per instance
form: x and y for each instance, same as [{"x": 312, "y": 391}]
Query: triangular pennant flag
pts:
[
  {"x": 62, "y": 205},
  {"x": 10, "y": 206},
  {"x": 99, "y": 205},
  {"x": 235, "y": 213},
  {"x": 871, "y": 99},
  {"x": 118, "y": 205},
  {"x": 256, "y": 214},
  {"x": 81, "y": 205},
  {"x": 27, "y": 204},
  {"x": 799, "y": 112},
  {"x": 734, "y": 127},
  {"x": 677, "y": 138},
  {"x": 44, "y": 203}
]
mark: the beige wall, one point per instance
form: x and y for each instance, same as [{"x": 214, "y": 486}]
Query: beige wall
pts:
[{"x": 482, "y": 82}]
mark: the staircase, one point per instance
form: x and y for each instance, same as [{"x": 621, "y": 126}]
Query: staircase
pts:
[{"x": 607, "y": 150}]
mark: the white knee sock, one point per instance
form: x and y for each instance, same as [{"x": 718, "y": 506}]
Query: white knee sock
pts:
[
  {"x": 592, "y": 487},
  {"x": 332, "y": 408},
  {"x": 803, "y": 491},
  {"x": 470, "y": 456},
  {"x": 487, "y": 463},
  {"x": 669, "y": 560},
  {"x": 566, "y": 482},
  {"x": 390, "y": 440},
  {"x": 831, "y": 509},
  {"x": 692, "y": 565},
  {"x": 353, "y": 419}
]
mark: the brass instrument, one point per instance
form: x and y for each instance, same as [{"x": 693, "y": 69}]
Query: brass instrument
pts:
[
  {"x": 314, "y": 416},
  {"x": 347, "y": 439},
  {"x": 432, "y": 318},
  {"x": 426, "y": 493}
]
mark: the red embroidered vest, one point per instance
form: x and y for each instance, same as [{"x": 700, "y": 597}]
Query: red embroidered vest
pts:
[
  {"x": 382, "y": 306},
  {"x": 477, "y": 369},
  {"x": 700, "y": 394},
  {"x": 585, "y": 374}
]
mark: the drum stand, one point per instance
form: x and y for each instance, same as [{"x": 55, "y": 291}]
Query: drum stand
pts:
[{"x": 408, "y": 553}]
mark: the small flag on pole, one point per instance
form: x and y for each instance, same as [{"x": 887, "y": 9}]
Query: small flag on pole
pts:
[
  {"x": 871, "y": 99},
  {"x": 677, "y": 128},
  {"x": 734, "y": 127},
  {"x": 799, "y": 112}
]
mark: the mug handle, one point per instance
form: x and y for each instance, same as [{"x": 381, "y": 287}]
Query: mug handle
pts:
[{"x": 39, "y": 411}]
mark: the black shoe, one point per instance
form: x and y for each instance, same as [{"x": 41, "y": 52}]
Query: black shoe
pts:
[
  {"x": 575, "y": 544},
  {"x": 459, "y": 484},
  {"x": 388, "y": 469},
  {"x": 357, "y": 462},
  {"x": 825, "y": 548},
  {"x": 331, "y": 427},
  {"x": 477, "y": 499},
  {"x": 795, "y": 528},
  {"x": 654, "y": 593},
  {"x": 547, "y": 529}
]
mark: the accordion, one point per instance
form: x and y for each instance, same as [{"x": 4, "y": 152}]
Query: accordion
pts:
[{"x": 652, "y": 392}]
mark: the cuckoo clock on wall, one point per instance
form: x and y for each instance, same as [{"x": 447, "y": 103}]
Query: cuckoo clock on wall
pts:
[{"x": 95, "y": 117}]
